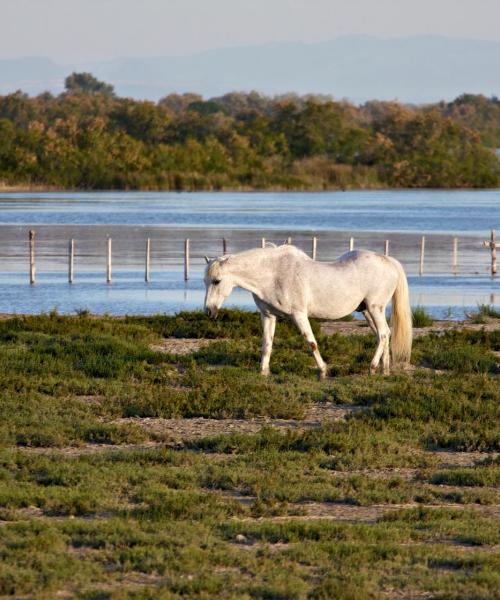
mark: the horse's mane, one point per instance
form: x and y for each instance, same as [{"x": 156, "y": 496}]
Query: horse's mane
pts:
[{"x": 270, "y": 249}]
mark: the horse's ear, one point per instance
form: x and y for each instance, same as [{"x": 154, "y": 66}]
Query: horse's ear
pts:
[{"x": 207, "y": 260}]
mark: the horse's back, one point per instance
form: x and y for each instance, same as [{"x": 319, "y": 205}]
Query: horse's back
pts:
[
  {"x": 372, "y": 266},
  {"x": 352, "y": 265},
  {"x": 337, "y": 288},
  {"x": 379, "y": 274},
  {"x": 358, "y": 256}
]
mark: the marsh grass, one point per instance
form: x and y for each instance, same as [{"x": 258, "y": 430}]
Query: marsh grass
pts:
[
  {"x": 460, "y": 351},
  {"x": 481, "y": 475},
  {"x": 163, "y": 523},
  {"x": 483, "y": 313},
  {"x": 421, "y": 318}
]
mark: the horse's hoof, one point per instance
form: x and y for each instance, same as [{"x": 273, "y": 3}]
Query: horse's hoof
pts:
[
  {"x": 323, "y": 374},
  {"x": 265, "y": 373}
]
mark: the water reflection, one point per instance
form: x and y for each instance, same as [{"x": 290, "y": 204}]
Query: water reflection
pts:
[{"x": 167, "y": 293}]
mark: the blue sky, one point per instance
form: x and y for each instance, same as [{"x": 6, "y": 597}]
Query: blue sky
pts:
[{"x": 85, "y": 30}]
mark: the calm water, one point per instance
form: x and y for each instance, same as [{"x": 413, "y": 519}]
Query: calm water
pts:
[
  {"x": 167, "y": 218},
  {"x": 418, "y": 211}
]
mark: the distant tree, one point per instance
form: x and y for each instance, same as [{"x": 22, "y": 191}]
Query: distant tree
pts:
[
  {"x": 320, "y": 129},
  {"x": 142, "y": 120},
  {"x": 237, "y": 103},
  {"x": 86, "y": 83},
  {"x": 475, "y": 111},
  {"x": 205, "y": 108},
  {"x": 7, "y": 145},
  {"x": 179, "y": 102},
  {"x": 18, "y": 108}
]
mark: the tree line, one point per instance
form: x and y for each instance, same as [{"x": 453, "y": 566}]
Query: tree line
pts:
[{"x": 89, "y": 138}]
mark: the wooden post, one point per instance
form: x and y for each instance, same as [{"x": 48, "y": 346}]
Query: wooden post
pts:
[
  {"x": 493, "y": 252},
  {"x": 288, "y": 240},
  {"x": 32, "y": 256},
  {"x": 492, "y": 244},
  {"x": 263, "y": 243},
  {"x": 71, "y": 260},
  {"x": 224, "y": 246},
  {"x": 186, "y": 259},
  {"x": 314, "y": 248},
  {"x": 351, "y": 244},
  {"x": 386, "y": 249},
  {"x": 455, "y": 256},
  {"x": 108, "y": 261},
  {"x": 422, "y": 253},
  {"x": 147, "y": 277}
]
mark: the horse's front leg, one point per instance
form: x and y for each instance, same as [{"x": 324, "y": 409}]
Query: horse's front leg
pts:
[
  {"x": 304, "y": 326},
  {"x": 268, "y": 327}
]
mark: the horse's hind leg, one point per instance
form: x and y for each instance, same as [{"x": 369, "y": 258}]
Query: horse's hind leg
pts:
[
  {"x": 370, "y": 322},
  {"x": 377, "y": 313},
  {"x": 304, "y": 326},
  {"x": 268, "y": 327},
  {"x": 386, "y": 353}
]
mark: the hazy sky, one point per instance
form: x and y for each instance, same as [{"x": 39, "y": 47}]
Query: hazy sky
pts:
[{"x": 83, "y": 30}]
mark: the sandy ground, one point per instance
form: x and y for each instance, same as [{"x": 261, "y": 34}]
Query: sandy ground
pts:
[
  {"x": 367, "y": 514},
  {"x": 176, "y": 430},
  {"x": 181, "y": 346},
  {"x": 439, "y": 327}
]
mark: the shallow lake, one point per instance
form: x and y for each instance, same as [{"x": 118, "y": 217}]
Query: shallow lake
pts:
[{"x": 243, "y": 219}]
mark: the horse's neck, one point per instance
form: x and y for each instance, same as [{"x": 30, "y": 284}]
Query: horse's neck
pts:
[{"x": 248, "y": 273}]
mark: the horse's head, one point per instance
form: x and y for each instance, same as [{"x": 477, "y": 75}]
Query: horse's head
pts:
[{"x": 219, "y": 283}]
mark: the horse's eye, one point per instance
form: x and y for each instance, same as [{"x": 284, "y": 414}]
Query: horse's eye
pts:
[{"x": 216, "y": 281}]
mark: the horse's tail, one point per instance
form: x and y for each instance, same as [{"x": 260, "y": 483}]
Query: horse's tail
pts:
[{"x": 402, "y": 322}]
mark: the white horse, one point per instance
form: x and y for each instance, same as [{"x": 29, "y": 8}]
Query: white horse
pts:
[{"x": 285, "y": 282}]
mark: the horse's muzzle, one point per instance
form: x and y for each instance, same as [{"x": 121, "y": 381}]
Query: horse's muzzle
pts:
[{"x": 212, "y": 312}]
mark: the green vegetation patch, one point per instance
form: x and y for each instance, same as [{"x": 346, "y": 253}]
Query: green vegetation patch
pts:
[
  {"x": 460, "y": 351},
  {"x": 421, "y": 317},
  {"x": 484, "y": 474},
  {"x": 483, "y": 313},
  {"x": 233, "y": 515},
  {"x": 411, "y": 551}
]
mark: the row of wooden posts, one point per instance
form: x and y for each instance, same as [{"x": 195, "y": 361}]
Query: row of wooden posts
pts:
[{"x": 492, "y": 244}]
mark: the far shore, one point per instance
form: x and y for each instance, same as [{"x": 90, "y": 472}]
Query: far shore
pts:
[
  {"x": 241, "y": 189},
  {"x": 33, "y": 188}
]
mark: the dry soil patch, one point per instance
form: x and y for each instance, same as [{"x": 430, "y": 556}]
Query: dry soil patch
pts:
[
  {"x": 177, "y": 430},
  {"x": 363, "y": 514},
  {"x": 439, "y": 327},
  {"x": 181, "y": 345},
  {"x": 461, "y": 459}
]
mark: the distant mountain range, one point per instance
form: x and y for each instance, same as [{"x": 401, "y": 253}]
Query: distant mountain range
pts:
[{"x": 415, "y": 69}]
